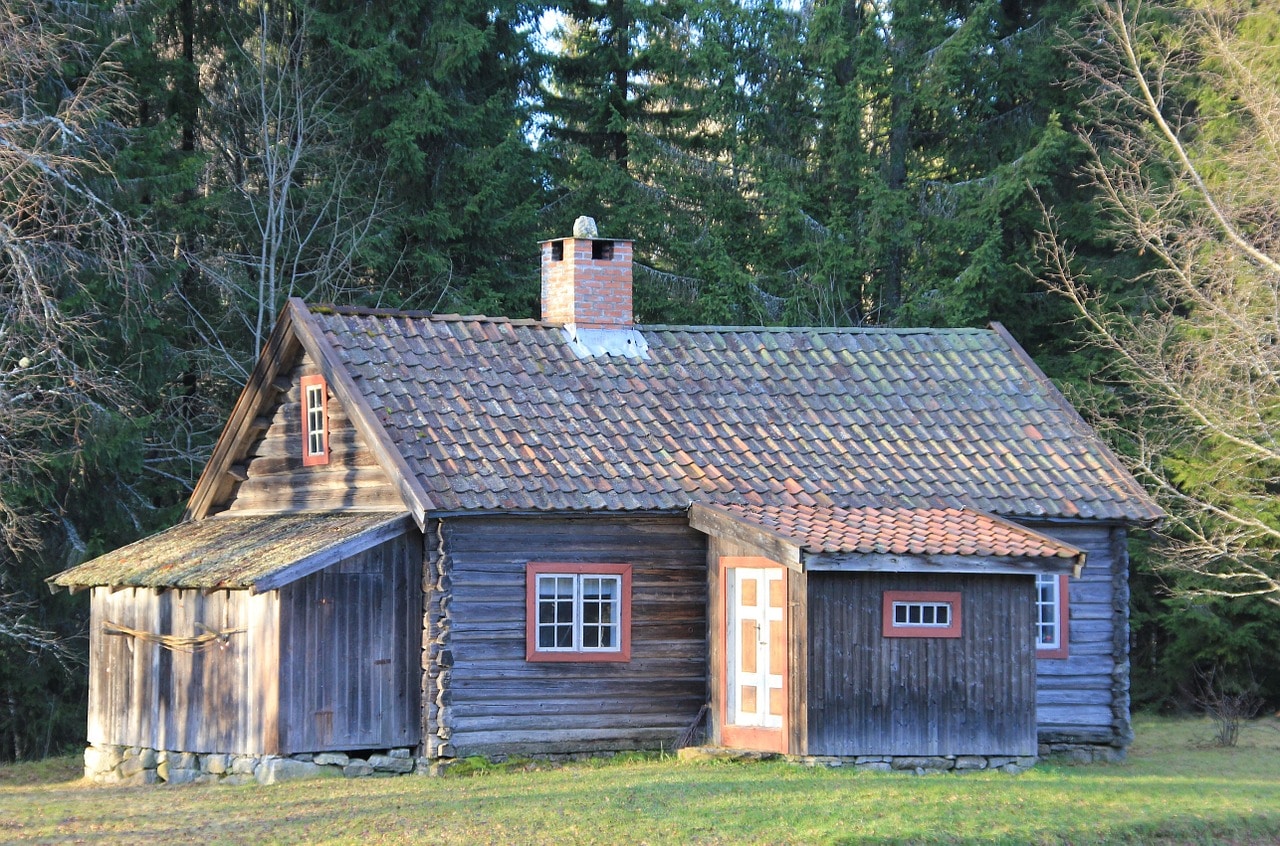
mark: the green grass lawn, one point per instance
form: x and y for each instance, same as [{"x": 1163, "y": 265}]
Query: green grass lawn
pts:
[{"x": 1173, "y": 789}]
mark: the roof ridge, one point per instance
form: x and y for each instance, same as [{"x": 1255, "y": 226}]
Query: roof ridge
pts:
[
  {"x": 868, "y": 330},
  {"x": 367, "y": 311}
]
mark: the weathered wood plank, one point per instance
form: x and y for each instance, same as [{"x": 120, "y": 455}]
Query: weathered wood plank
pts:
[
  {"x": 484, "y": 694},
  {"x": 1098, "y": 644},
  {"x": 274, "y": 476},
  {"x": 870, "y": 695}
]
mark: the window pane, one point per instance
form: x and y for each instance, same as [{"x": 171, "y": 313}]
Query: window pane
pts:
[{"x": 599, "y": 611}]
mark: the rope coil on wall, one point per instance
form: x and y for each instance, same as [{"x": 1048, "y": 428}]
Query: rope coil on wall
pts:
[{"x": 176, "y": 643}]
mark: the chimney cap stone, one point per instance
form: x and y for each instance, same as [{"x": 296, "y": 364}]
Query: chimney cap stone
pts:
[{"x": 585, "y": 227}]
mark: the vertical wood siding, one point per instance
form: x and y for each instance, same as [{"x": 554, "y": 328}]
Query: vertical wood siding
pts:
[
  {"x": 349, "y": 672},
  {"x": 485, "y": 698},
  {"x": 143, "y": 694},
  {"x": 872, "y": 695},
  {"x": 277, "y": 479},
  {"x": 1085, "y": 697}
]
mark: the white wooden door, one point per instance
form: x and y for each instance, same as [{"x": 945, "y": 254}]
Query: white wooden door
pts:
[{"x": 756, "y": 648}]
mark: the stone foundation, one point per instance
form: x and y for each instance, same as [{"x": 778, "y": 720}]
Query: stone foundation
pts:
[
  {"x": 919, "y": 764},
  {"x": 133, "y": 765},
  {"x": 1083, "y": 753}
]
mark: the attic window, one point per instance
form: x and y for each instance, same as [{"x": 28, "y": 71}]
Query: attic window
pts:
[
  {"x": 557, "y": 250},
  {"x": 578, "y": 612},
  {"x": 315, "y": 421},
  {"x": 602, "y": 250},
  {"x": 921, "y": 613}
]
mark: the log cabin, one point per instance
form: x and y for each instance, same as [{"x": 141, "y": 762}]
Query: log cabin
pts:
[{"x": 460, "y": 535}]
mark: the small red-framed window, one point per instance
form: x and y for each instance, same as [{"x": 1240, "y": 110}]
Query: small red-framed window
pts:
[
  {"x": 577, "y": 612},
  {"x": 918, "y": 613},
  {"x": 1052, "y": 616},
  {"x": 315, "y": 421}
]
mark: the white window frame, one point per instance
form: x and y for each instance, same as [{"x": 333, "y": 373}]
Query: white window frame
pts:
[
  {"x": 315, "y": 420},
  {"x": 925, "y": 613},
  {"x": 1052, "y": 611},
  {"x": 579, "y": 577},
  {"x": 926, "y": 604}
]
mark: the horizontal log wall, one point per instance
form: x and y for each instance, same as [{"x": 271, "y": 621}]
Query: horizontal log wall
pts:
[
  {"x": 351, "y": 638},
  {"x": 1085, "y": 697},
  {"x": 220, "y": 699},
  {"x": 873, "y": 695},
  {"x": 278, "y": 481},
  {"x": 484, "y": 698}
]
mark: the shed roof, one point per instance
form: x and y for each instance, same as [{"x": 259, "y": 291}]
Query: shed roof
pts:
[
  {"x": 260, "y": 553},
  {"x": 903, "y": 531},
  {"x": 497, "y": 415}
]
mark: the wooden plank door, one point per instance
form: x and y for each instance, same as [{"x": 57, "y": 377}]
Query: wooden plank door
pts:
[{"x": 755, "y": 650}]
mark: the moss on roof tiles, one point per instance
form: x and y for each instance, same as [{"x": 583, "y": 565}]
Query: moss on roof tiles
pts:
[
  {"x": 718, "y": 392},
  {"x": 221, "y": 552}
]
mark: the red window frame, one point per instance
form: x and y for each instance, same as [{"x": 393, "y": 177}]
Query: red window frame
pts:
[
  {"x": 949, "y": 598},
  {"x": 540, "y": 568},
  {"x": 1062, "y": 650},
  {"x": 309, "y": 458}
]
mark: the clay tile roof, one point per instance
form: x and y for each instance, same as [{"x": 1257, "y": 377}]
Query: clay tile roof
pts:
[
  {"x": 901, "y": 531},
  {"x": 227, "y": 552},
  {"x": 928, "y": 418}
]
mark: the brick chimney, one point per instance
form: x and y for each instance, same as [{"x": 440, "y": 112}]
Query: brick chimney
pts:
[{"x": 586, "y": 280}]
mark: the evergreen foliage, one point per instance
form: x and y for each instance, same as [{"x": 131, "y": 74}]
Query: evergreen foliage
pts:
[{"x": 835, "y": 162}]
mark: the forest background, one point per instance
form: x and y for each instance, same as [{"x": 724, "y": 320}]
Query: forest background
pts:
[{"x": 172, "y": 170}]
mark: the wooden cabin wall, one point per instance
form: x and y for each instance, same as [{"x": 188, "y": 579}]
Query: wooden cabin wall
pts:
[
  {"x": 350, "y": 648},
  {"x": 484, "y": 698},
  {"x": 872, "y": 695},
  {"x": 219, "y": 699},
  {"x": 276, "y": 478},
  {"x": 1084, "y": 698}
]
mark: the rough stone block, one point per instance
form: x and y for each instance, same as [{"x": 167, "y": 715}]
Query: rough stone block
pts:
[
  {"x": 925, "y": 763},
  {"x": 399, "y": 753},
  {"x": 276, "y": 770},
  {"x": 139, "y": 778},
  {"x": 357, "y": 769},
  {"x": 387, "y": 764},
  {"x": 100, "y": 759},
  {"x": 216, "y": 763},
  {"x": 175, "y": 776},
  {"x": 130, "y": 767},
  {"x": 332, "y": 759},
  {"x": 148, "y": 758},
  {"x": 875, "y": 766},
  {"x": 244, "y": 764},
  {"x": 184, "y": 760},
  {"x": 995, "y": 762},
  {"x": 971, "y": 762}
]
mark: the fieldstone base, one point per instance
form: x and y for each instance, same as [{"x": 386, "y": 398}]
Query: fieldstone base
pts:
[
  {"x": 1083, "y": 753},
  {"x": 874, "y": 763},
  {"x": 133, "y": 765}
]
